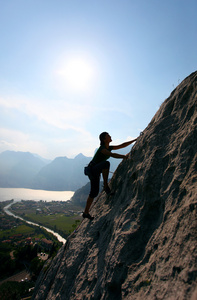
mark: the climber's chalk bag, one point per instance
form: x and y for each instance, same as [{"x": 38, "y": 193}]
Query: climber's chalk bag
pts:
[{"x": 87, "y": 171}]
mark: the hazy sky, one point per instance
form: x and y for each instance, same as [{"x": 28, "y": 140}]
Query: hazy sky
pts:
[{"x": 70, "y": 69}]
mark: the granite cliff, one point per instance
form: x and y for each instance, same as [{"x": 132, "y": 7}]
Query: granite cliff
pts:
[{"x": 142, "y": 242}]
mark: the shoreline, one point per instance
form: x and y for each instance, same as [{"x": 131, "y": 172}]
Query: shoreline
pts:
[{"x": 6, "y": 210}]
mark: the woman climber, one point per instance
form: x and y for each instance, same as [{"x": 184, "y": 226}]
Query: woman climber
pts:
[{"x": 98, "y": 165}]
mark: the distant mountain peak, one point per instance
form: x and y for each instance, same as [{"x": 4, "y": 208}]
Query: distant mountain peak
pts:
[{"x": 80, "y": 155}]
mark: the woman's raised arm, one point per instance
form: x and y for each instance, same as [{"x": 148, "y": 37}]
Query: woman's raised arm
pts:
[{"x": 123, "y": 145}]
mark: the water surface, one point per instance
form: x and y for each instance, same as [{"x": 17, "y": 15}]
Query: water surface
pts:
[{"x": 29, "y": 194}]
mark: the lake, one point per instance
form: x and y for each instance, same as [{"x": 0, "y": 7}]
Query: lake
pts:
[{"x": 29, "y": 194}]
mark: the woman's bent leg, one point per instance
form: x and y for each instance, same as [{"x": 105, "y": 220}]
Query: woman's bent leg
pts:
[
  {"x": 105, "y": 173},
  {"x": 103, "y": 168}
]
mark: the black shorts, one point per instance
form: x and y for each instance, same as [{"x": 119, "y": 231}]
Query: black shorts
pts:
[{"x": 96, "y": 170}]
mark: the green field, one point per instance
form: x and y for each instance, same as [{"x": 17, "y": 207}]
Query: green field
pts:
[
  {"x": 21, "y": 229},
  {"x": 55, "y": 222}
]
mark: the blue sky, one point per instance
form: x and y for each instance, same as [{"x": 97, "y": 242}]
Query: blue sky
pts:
[{"x": 72, "y": 69}]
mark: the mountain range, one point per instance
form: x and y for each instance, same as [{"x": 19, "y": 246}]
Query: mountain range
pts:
[{"x": 28, "y": 170}]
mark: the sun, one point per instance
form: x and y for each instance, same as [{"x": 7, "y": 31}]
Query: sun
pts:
[{"x": 77, "y": 74}]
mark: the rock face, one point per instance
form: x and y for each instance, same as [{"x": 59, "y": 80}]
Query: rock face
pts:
[{"x": 142, "y": 243}]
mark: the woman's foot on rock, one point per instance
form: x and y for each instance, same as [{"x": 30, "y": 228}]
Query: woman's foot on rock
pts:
[
  {"x": 108, "y": 191},
  {"x": 88, "y": 216}
]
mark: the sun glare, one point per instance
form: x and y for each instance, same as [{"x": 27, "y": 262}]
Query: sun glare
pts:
[{"x": 77, "y": 74}]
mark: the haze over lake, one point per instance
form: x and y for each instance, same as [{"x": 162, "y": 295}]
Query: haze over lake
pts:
[{"x": 29, "y": 194}]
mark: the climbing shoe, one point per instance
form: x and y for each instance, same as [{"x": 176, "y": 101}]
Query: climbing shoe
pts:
[
  {"x": 108, "y": 191},
  {"x": 88, "y": 216}
]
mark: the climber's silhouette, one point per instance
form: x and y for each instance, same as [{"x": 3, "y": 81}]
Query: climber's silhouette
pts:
[{"x": 98, "y": 165}]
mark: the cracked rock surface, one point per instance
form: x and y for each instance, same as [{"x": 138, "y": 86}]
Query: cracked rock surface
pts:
[{"x": 142, "y": 243}]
